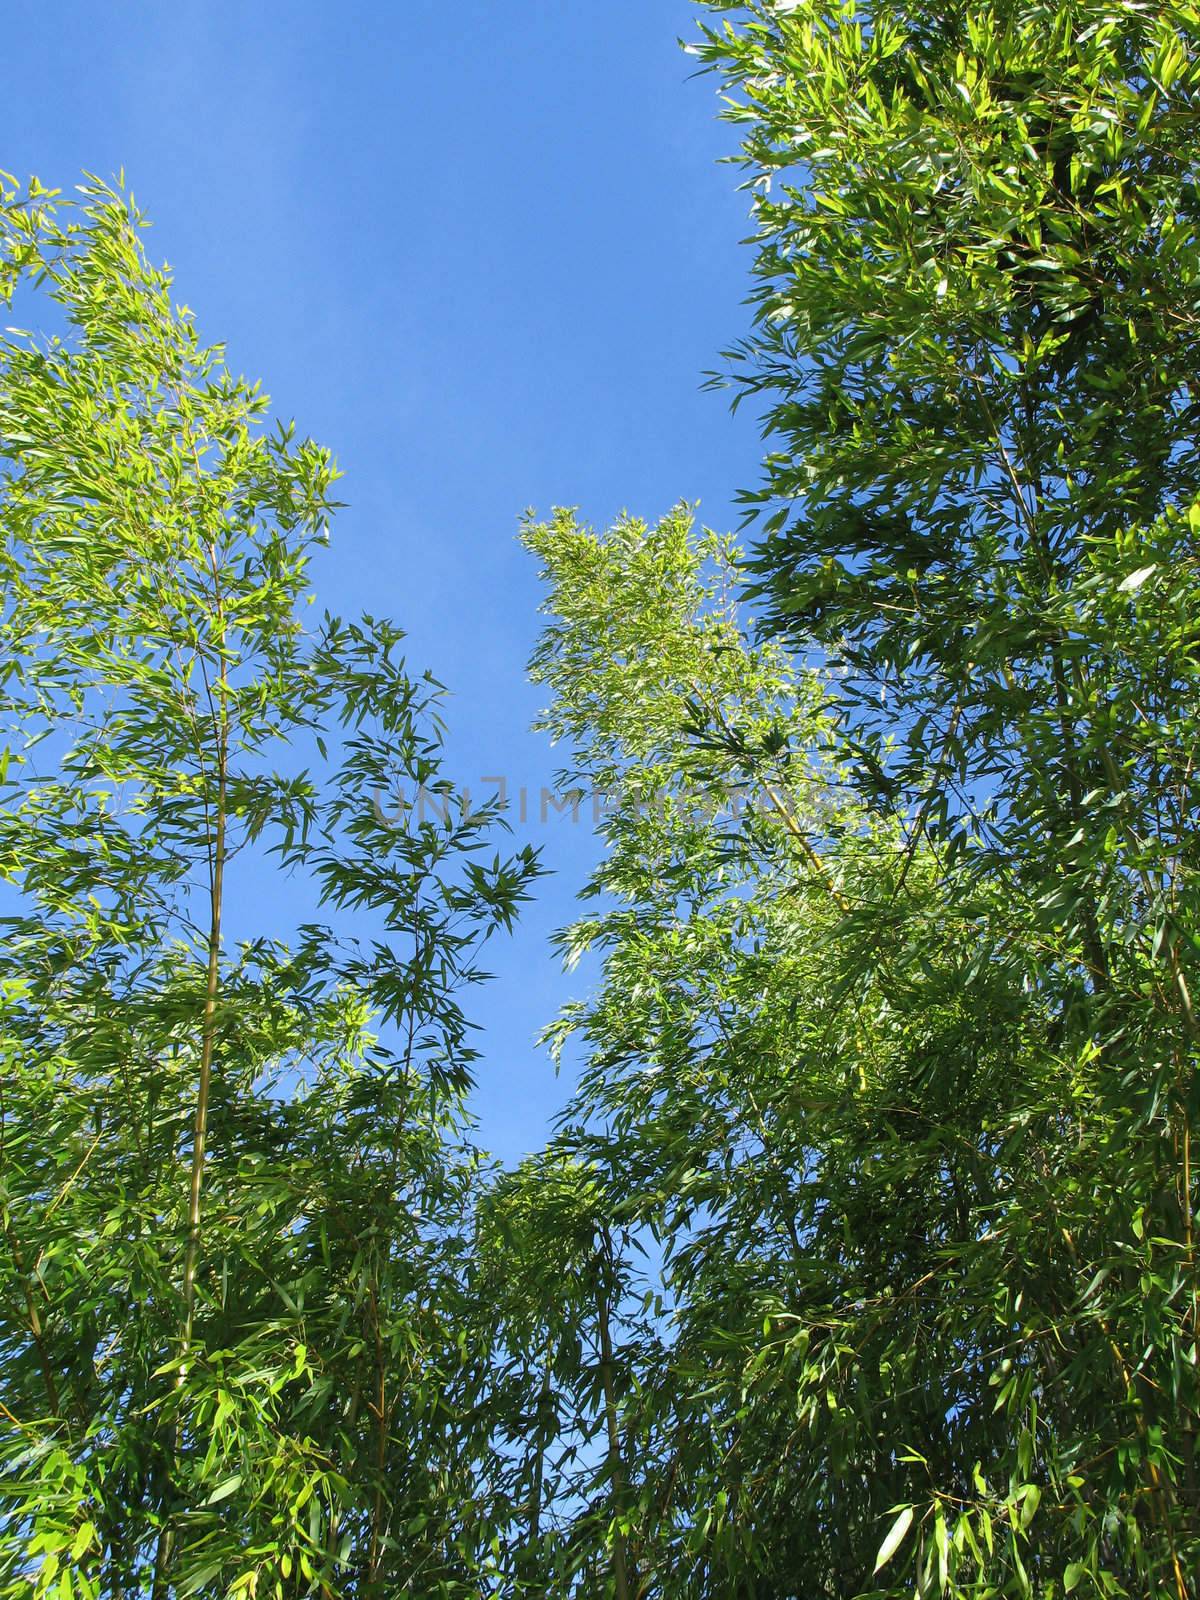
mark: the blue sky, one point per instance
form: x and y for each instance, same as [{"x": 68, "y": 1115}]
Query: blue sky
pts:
[{"x": 486, "y": 254}]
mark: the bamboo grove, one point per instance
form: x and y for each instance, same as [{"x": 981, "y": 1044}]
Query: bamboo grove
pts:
[{"x": 863, "y": 1260}]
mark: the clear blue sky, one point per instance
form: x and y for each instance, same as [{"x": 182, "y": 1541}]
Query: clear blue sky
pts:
[{"x": 486, "y": 253}]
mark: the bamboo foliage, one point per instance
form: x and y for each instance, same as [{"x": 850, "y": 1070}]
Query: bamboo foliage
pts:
[
  {"x": 234, "y": 1185},
  {"x": 862, "y": 1261}
]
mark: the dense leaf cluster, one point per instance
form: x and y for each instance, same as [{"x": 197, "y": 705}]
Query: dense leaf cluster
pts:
[
  {"x": 863, "y": 1260},
  {"x": 234, "y": 1190}
]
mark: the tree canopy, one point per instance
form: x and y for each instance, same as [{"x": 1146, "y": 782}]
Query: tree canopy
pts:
[{"x": 862, "y": 1261}]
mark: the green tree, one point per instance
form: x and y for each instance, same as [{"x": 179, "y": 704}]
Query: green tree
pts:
[
  {"x": 234, "y": 1187},
  {"x": 910, "y": 1276},
  {"x": 975, "y": 347}
]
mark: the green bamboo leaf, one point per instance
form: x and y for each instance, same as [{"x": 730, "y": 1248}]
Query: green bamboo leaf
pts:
[
  {"x": 1135, "y": 580},
  {"x": 223, "y": 1490},
  {"x": 894, "y": 1539}
]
